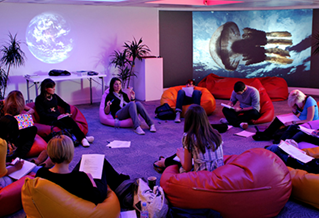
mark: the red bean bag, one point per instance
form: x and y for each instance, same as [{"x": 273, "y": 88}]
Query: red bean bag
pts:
[
  {"x": 207, "y": 101},
  {"x": 222, "y": 87},
  {"x": 45, "y": 130},
  {"x": 38, "y": 145},
  {"x": 10, "y": 197},
  {"x": 267, "y": 109},
  {"x": 253, "y": 184}
]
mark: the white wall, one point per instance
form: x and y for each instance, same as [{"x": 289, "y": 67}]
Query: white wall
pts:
[{"x": 97, "y": 30}]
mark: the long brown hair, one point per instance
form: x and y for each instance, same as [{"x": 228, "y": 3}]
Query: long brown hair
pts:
[
  {"x": 199, "y": 131},
  {"x": 14, "y": 103}
]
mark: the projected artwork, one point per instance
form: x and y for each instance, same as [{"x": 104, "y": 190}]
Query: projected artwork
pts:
[
  {"x": 248, "y": 44},
  {"x": 48, "y": 38}
]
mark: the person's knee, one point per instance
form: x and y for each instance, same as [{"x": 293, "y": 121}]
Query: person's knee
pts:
[
  {"x": 197, "y": 93},
  {"x": 181, "y": 92}
]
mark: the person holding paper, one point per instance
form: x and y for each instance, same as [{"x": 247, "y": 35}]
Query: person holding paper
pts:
[
  {"x": 187, "y": 95},
  {"x": 122, "y": 107},
  {"x": 304, "y": 107},
  {"x": 47, "y": 107},
  {"x": 4, "y": 169},
  {"x": 249, "y": 106},
  {"x": 311, "y": 166},
  {"x": 61, "y": 151},
  {"x": 201, "y": 143},
  {"x": 19, "y": 141}
]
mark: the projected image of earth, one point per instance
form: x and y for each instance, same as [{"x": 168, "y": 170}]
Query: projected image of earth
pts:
[{"x": 48, "y": 38}]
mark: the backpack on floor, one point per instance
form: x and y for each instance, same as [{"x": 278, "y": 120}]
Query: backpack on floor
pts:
[{"x": 165, "y": 112}]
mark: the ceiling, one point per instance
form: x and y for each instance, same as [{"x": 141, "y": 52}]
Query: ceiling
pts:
[{"x": 188, "y": 4}]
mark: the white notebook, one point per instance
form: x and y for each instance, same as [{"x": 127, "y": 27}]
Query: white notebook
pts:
[{"x": 26, "y": 168}]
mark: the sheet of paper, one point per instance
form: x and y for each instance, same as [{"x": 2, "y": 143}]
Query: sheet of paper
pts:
[
  {"x": 306, "y": 130},
  {"x": 27, "y": 167},
  {"x": 226, "y": 105},
  {"x": 229, "y": 127},
  {"x": 93, "y": 164},
  {"x": 288, "y": 119},
  {"x": 188, "y": 91},
  {"x": 244, "y": 133},
  {"x": 119, "y": 144},
  {"x": 128, "y": 214},
  {"x": 295, "y": 152}
]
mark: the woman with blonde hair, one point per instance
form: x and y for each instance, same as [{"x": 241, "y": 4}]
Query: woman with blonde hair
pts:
[
  {"x": 61, "y": 151},
  {"x": 201, "y": 143},
  {"x": 19, "y": 141},
  {"x": 303, "y": 106}
]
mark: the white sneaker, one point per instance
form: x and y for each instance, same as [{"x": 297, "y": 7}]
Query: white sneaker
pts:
[
  {"x": 139, "y": 131},
  {"x": 152, "y": 128},
  {"x": 85, "y": 143},
  {"x": 90, "y": 138},
  {"x": 243, "y": 125},
  {"x": 223, "y": 120},
  {"x": 178, "y": 117}
]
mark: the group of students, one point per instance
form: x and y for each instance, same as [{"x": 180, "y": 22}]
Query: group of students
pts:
[{"x": 202, "y": 145}]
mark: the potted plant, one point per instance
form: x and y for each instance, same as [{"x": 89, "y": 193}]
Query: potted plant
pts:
[
  {"x": 12, "y": 55},
  {"x": 125, "y": 60}
]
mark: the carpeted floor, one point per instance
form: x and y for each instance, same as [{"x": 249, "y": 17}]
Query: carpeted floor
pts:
[{"x": 137, "y": 160}]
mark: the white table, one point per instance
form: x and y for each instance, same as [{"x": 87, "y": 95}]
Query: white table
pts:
[{"x": 36, "y": 79}]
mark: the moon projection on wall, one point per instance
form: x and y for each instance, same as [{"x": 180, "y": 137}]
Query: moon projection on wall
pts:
[{"x": 49, "y": 38}]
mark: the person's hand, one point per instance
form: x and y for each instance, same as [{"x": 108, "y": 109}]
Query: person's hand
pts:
[
  {"x": 237, "y": 109},
  {"x": 109, "y": 103},
  {"x": 132, "y": 94},
  {"x": 11, "y": 148},
  {"x": 18, "y": 165},
  {"x": 180, "y": 153},
  {"x": 92, "y": 180},
  {"x": 30, "y": 111}
]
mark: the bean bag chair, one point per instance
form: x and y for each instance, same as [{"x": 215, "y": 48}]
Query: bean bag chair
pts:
[
  {"x": 10, "y": 197},
  {"x": 267, "y": 110},
  {"x": 44, "y": 130},
  {"x": 305, "y": 186},
  {"x": 207, "y": 101},
  {"x": 43, "y": 198},
  {"x": 107, "y": 119},
  {"x": 255, "y": 183},
  {"x": 38, "y": 145},
  {"x": 222, "y": 87}
]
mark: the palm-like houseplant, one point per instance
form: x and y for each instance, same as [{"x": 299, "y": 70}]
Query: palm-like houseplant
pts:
[
  {"x": 12, "y": 55},
  {"x": 125, "y": 61}
]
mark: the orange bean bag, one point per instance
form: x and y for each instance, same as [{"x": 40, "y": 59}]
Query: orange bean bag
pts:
[
  {"x": 44, "y": 130},
  {"x": 253, "y": 184},
  {"x": 222, "y": 87},
  {"x": 207, "y": 101},
  {"x": 305, "y": 186},
  {"x": 43, "y": 198},
  {"x": 267, "y": 109}
]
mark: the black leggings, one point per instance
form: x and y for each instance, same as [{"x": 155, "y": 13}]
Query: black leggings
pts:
[{"x": 70, "y": 124}]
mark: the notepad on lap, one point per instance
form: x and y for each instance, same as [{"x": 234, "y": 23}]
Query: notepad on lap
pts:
[
  {"x": 226, "y": 105},
  {"x": 24, "y": 120},
  {"x": 288, "y": 119},
  {"x": 26, "y": 168}
]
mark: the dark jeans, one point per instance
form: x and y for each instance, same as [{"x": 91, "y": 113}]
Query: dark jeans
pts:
[
  {"x": 70, "y": 124},
  {"x": 109, "y": 177},
  {"x": 182, "y": 99},
  {"x": 293, "y": 132},
  {"x": 235, "y": 118},
  {"x": 310, "y": 167},
  {"x": 273, "y": 127}
]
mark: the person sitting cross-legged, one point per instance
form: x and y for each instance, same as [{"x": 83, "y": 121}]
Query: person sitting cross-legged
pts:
[{"x": 249, "y": 108}]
